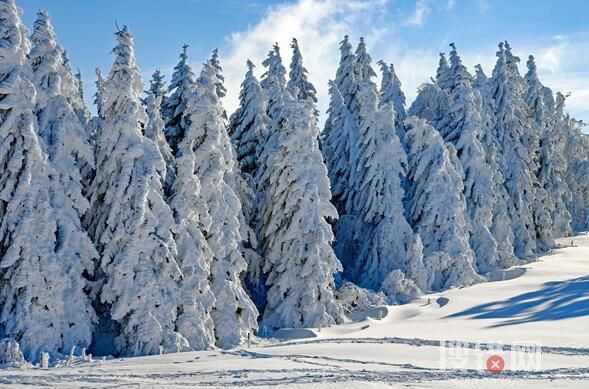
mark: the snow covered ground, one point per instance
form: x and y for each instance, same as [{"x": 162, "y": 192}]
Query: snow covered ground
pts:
[{"x": 545, "y": 303}]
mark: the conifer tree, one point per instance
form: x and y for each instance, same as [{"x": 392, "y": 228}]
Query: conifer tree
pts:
[
  {"x": 174, "y": 107},
  {"x": 501, "y": 225},
  {"x": 385, "y": 235},
  {"x": 296, "y": 234},
  {"x": 157, "y": 85},
  {"x": 298, "y": 83},
  {"x": 130, "y": 221},
  {"x": 191, "y": 218},
  {"x": 540, "y": 121},
  {"x": 391, "y": 93},
  {"x": 216, "y": 63},
  {"x": 465, "y": 132},
  {"x": 154, "y": 130},
  {"x": 437, "y": 208},
  {"x": 274, "y": 82},
  {"x": 337, "y": 140},
  {"x": 515, "y": 137},
  {"x": 248, "y": 128},
  {"x": 43, "y": 304},
  {"x": 363, "y": 64},
  {"x": 234, "y": 314}
]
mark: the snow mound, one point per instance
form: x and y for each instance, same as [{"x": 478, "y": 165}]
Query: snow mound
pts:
[
  {"x": 508, "y": 274},
  {"x": 373, "y": 312},
  {"x": 10, "y": 354}
]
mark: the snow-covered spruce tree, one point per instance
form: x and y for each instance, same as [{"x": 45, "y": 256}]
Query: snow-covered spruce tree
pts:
[
  {"x": 432, "y": 104},
  {"x": 130, "y": 221},
  {"x": 437, "y": 208},
  {"x": 194, "y": 254},
  {"x": 174, "y": 107},
  {"x": 552, "y": 190},
  {"x": 514, "y": 133},
  {"x": 157, "y": 85},
  {"x": 391, "y": 93},
  {"x": 501, "y": 225},
  {"x": 216, "y": 63},
  {"x": 345, "y": 78},
  {"x": 338, "y": 144},
  {"x": 154, "y": 130},
  {"x": 577, "y": 173},
  {"x": 298, "y": 82},
  {"x": 43, "y": 304},
  {"x": 274, "y": 82},
  {"x": 248, "y": 128},
  {"x": 234, "y": 314},
  {"x": 363, "y": 64},
  {"x": 465, "y": 132},
  {"x": 443, "y": 73},
  {"x": 385, "y": 236},
  {"x": 64, "y": 134},
  {"x": 296, "y": 234},
  {"x": 338, "y": 138}
]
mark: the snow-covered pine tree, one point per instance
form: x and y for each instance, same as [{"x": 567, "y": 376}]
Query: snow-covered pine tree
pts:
[
  {"x": 192, "y": 217},
  {"x": 298, "y": 82},
  {"x": 45, "y": 252},
  {"x": 443, "y": 73},
  {"x": 384, "y": 235},
  {"x": 338, "y": 143},
  {"x": 501, "y": 225},
  {"x": 234, "y": 314},
  {"x": 338, "y": 138},
  {"x": 63, "y": 132},
  {"x": 432, "y": 104},
  {"x": 465, "y": 132},
  {"x": 216, "y": 63},
  {"x": 174, "y": 107},
  {"x": 577, "y": 172},
  {"x": 248, "y": 128},
  {"x": 363, "y": 64},
  {"x": 274, "y": 82},
  {"x": 391, "y": 93},
  {"x": 514, "y": 134},
  {"x": 99, "y": 90},
  {"x": 130, "y": 221},
  {"x": 437, "y": 208},
  {"x": 345, "y": 78},
  {"x": 157, "y": 85},
  {"x": 295, "y": 230},
  {"x": 546, "y": 203},
  {"x": 154, "y": 130}
]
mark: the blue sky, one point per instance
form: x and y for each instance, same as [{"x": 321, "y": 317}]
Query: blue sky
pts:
[{"x": 408, "y": 33}]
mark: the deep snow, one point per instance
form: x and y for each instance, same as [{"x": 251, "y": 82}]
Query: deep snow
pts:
[{"x": 545, "y": 302}]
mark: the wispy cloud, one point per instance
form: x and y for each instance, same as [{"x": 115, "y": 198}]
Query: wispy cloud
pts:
[
  {"x": 419, "y": 15},
  {"x": 318, "y": 25}
]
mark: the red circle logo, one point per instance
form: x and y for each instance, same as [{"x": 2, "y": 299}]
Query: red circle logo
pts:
[{"x": 495, "y": 364}]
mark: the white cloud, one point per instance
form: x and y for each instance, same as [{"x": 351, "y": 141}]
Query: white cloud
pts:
[
  {"x": 318, "y": 25},
  {"x": 419, "y": 15}
]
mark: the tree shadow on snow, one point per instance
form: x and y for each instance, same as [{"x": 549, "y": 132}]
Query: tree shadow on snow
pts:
[{"x": 554, "y": 301}]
